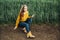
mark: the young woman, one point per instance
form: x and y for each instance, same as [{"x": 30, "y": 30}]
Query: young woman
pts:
[{"x": 24, "y": 20}]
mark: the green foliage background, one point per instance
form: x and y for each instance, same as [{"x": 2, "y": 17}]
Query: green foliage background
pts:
[{"x": 47, "y": 11}]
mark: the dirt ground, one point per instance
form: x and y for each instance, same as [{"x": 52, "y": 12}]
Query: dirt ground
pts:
[{"x": 42, "y": 32}]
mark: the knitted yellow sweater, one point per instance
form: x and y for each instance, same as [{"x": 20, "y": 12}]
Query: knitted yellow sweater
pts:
[{"x": 24, "y": 18}]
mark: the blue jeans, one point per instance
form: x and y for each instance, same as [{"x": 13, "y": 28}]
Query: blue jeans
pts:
[{"x": 26, "y": 24}]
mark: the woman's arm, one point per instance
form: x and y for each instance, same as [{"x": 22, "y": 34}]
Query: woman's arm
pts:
[
  {"x": 17, "y": 22},
  {"x": 31, "y": 16}
]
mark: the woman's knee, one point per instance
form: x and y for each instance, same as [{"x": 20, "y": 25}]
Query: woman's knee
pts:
[{"x": 29, "y": 20}]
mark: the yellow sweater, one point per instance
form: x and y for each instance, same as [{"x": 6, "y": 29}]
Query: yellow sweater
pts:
[{"x": 24, "y": 18}]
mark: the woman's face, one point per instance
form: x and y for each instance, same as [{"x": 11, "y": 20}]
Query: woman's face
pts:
[{"x": 25, "y": 8}]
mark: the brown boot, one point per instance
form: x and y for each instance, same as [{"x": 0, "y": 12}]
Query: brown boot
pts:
[{"x": 29, "y": 35}]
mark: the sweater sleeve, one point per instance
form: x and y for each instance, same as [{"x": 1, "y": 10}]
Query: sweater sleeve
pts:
[{"x": 18, "y": 20}]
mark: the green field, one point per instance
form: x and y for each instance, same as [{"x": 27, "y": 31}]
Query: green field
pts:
[{"x": 47, "y": 11}]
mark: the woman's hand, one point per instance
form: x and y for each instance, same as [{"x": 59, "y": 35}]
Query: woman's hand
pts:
[
  {"x": 15, "y": 27},
  {"x": 33, "y": 15}
]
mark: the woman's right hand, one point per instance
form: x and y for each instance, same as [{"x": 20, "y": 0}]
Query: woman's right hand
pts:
[
  {"x": 15, "y": 27},
  {"x": 33, "y": 15}
]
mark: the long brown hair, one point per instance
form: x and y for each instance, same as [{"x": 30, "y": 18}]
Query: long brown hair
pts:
[{"x": 22, "y": 10}]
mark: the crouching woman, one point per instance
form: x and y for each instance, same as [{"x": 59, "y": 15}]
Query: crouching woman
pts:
[{"x": 24, "y": 20}]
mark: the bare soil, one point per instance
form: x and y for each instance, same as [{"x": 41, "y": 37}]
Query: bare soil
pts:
[{"x": 42, "y": 32}]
